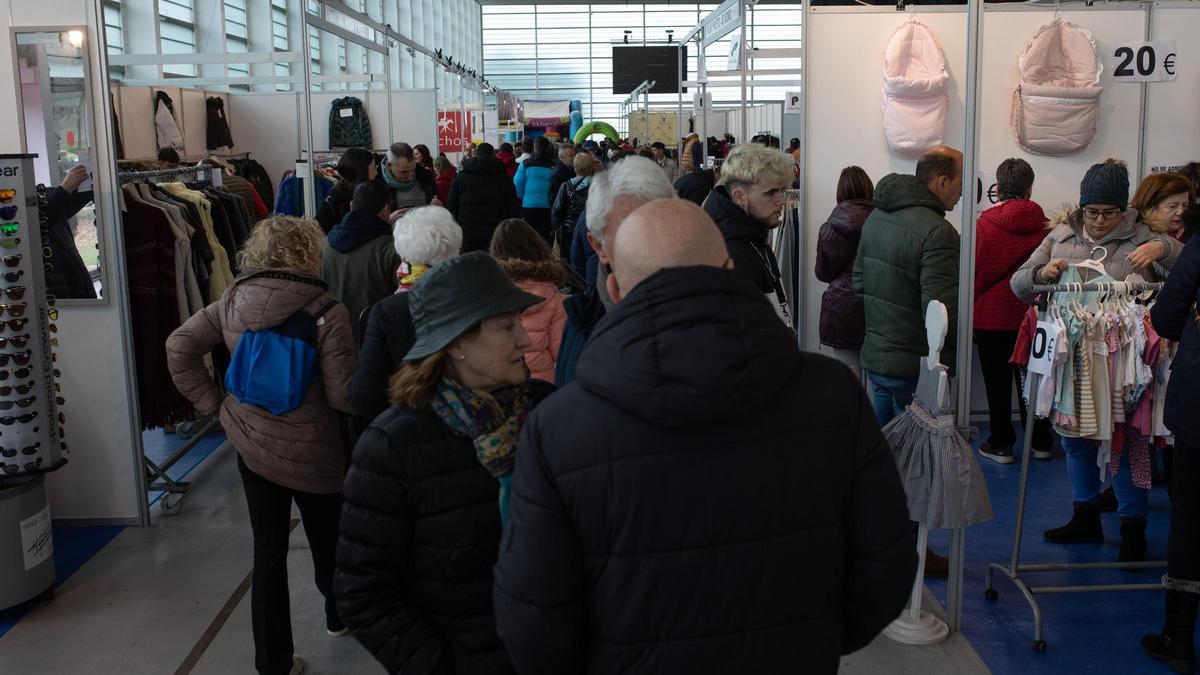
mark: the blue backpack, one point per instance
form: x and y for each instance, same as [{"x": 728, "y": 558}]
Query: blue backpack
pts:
[{"x": 273, "y": 368}]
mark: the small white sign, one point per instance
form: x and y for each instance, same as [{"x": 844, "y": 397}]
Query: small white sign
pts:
[
  {"x": 346, "y": 112},
  {"x": 735, "y": 51},
  {"x": 1041, "y": 352},
  {"x": 1153, "y": 61},
  {"x": 37, "y": 539},
  {"x": 987, "y": 193},
  {"x": 791, "y": 103},
  {"x": 302, "y": 170},
  {"x": 1165, "y": 167}
]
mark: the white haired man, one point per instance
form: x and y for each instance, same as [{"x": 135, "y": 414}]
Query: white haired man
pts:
[
  {"x": 614, "y": 194},
  {"x": 745, "y": 205}
]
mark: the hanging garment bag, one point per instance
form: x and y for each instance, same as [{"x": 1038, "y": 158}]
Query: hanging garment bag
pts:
[
  {"x": 914, "y": 90},
  {"x": 1056, "y": 106},
  {"x": 166, "y": 128}
]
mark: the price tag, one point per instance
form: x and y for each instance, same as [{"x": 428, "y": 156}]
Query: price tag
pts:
[
  {"x": 346, "y": 112},
  {"x": 1153, "y": 61},
  {"x": 302, "y": 170},
  {"x": 1041, "y": 352}
]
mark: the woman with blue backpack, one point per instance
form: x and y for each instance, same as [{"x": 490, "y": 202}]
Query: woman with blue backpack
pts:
[{"x": 293, "y": 353}]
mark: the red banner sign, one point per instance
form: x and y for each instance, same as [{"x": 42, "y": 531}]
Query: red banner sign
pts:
[{"x": 453, "y": 132}]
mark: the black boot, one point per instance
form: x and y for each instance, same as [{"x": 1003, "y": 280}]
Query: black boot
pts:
[
  {"x": 1107, "y": 501},
  {"x": 1174, "y": 645},
  {"x": 1133, "y": 540},
  {"x": 1084, "y": 527}
]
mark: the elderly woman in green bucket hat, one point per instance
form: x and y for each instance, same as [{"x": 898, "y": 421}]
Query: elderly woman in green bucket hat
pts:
[{"x": 424, "y": 499}]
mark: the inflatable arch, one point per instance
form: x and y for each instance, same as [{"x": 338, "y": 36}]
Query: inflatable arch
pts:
[{"x": 596, "y": 127}]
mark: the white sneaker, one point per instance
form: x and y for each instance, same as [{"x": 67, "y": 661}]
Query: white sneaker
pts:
[
  {"x": 297, "y": 666},
  {"x": 1043, "y": 454}
]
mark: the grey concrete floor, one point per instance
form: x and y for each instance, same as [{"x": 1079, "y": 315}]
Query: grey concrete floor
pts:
[{"x": 163, "y": 599}]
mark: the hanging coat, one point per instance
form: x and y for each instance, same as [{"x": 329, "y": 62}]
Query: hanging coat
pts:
[
  {"x": 165, "y": 127},
  {"x": 217, "y": 125}
]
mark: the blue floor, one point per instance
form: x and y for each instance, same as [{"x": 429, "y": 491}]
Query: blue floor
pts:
[
  {"x": 74, "y": 546},
  {"x": 1085, "y": 632}
]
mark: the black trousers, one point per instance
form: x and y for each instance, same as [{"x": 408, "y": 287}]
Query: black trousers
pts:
[
  {"x": 270, "y": 506},
  {"x": 539, "y": 219},
  {"x": 1183, "y": 542},
  {"x": 995, "y": 347}
]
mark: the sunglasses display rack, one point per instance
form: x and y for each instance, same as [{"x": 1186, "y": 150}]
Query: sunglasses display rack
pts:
[{"x": 31, "y": 425}]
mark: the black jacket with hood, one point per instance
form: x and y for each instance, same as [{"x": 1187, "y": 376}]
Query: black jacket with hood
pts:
[
  {"x": 481, "y": 197},
  {"x": 842, "y": 323},
  {"x": 746, "y": 239},
  {"x": 703, "y": 498}
]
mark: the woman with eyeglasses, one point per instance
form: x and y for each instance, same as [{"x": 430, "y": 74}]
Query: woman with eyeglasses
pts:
[{"x": 1104, "y": 219}]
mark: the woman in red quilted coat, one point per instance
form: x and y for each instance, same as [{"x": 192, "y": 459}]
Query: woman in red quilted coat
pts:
[{"x": 1005, "y": 236}]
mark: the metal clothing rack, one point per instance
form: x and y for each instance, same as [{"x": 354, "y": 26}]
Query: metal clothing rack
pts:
[
  {"x": 127, "y": 176},
  {"x": 1014, "y": 568}
]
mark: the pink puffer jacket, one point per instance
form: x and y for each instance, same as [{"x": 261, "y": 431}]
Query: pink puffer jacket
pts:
[{"x": 544, "y": 321}]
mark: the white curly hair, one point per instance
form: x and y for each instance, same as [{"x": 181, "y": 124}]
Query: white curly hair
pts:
[{"x": 427, "y": 235}]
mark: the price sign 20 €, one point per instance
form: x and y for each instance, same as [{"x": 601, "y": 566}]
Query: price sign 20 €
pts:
[
  {"x": 1041, "y": 352},
  {"x": 1145, "y": 61}
]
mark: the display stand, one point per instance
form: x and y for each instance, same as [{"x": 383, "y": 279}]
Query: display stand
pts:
[
  {"x": 1014, "y": 568},
  {"x": 31, "y": 436}
]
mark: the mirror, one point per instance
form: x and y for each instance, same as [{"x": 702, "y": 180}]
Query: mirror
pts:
[{"x": 57, "y": 126}]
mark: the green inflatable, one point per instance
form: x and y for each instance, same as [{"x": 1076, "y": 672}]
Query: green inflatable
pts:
[{"x": 596, "y": 127}]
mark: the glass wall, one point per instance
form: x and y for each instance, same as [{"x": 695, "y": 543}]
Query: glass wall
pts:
[{"x": 565, "y": 51}]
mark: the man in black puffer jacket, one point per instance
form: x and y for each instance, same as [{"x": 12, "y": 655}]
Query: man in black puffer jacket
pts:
[
  {"x": 481, "y": 197},
  {"x": 704, "y": 498}
]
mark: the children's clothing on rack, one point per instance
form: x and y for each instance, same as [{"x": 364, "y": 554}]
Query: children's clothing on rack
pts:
[{"x": 291, "y": 191}]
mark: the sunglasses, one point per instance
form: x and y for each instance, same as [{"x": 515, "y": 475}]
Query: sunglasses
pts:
[
  {"x": 14, "y": 277},
  {"x": 22, "y": 403},
  {"x": 21, "y": 389},
  {"x": 10, "y": 242},
  {"x": 13, "y": 260},
  {"x": 7, "y": 195},
  {"x": 15, "y": 324},
  {"x": 20, "y": 358},
  {"x": 19, "y": 373},
  {"x": 23, "y": 419},
  {"x": 9, "y": 229},
  {"x": 15, "y": 310},
  {"x": 8, "y": 212},
  {"x": 18, "y": 341},
  {"x": 14, "y": 292},
  {"x": 27, "y": 450}
]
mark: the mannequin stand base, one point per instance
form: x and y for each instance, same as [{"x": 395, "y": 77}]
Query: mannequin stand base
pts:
[{"x": 927, "y": 630}]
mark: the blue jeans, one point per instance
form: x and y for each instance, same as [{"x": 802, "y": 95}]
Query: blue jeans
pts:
[
  {"x": 1085, "y": 478},
  {"x": 890, "y": 396}
]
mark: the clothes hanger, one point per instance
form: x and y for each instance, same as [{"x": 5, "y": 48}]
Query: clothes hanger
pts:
[{"x": 1095, "y": 264}]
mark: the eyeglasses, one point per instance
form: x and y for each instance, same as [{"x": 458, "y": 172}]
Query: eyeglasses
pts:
[
  {"x": 8, "y": 212},
  {"x": 14, "y": 310},
  {"x": 14, "y": 277},
  {"x": 21, "y": 403},
  {"x": 14, "y": 292},
  {"x": 10, "y": 242},
  {"x": 14, "y": 324},
  {"x": 18, "y": 341},
  {"x": 1097, "y": 214},
  {"x": 7, "y": 195},
  {"x": 19, "y": 373},
  {"x": 21, "y": 389},
  {"x": 9, "y": 229},
  {"x": 20, "y": 358},
  {"x": 13, "y": 260},
  {"x": 23, "y": 419}
]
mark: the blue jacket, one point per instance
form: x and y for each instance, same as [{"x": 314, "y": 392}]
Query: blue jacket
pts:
[
  {"x": 533, "y": 182},
  {"x": 1174, "y": 317},
  {"x": 290, "y": 201},
  {"x": 584, "y": 311},
  {"x": 583, "y": 259}
]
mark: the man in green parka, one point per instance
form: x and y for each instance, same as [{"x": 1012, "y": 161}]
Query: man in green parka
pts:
[{"x": 907, "y": 256}]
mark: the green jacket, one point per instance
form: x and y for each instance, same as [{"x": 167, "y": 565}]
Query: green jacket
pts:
[
  {"x": 907, "y": 256},
  {"x": 361, "y": 277}
]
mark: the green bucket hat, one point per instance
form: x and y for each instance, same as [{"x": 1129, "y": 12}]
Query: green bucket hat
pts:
[{"x": 457, "y": 294}]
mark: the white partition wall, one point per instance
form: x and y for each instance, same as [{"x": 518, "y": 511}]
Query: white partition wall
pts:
[
  {"x": 1172, "y": 120},
  {"x": 844, "y": 125}
]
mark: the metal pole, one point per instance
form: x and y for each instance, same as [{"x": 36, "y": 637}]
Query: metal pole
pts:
[
  {"x": 1141, "y": 161},
  {"x": 387, "y": 89},
  {"x": 310, "y": 194},
  {"x": 703, "y": 96},
  {"x": 679, "y": 105},
  {"x": 966, "y": 280},
  {"x": 742, "y": 64}
]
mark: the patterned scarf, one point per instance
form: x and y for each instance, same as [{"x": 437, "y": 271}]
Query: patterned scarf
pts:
[
  {"x": 407, "y": 275},
  {"x": 493, "y": 420}
]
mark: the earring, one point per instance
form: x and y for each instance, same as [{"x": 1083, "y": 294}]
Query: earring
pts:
[{"x": 461, "y": 357}]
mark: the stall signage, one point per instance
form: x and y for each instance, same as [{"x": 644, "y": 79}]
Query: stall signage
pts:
[
  {"x": 721, "y": 21},
  {"x": 791, "y": 103},
  {"x": 1041, "y": 352},
  {"x": 1153, "y": 61},
  {"x": 451, "y": 135}
]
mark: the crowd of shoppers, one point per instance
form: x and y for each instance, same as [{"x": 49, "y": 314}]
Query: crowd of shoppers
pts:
[{"x": 507, "y": 402}]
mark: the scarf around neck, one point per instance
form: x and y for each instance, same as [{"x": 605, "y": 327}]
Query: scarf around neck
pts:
[
  {"x": 407, "y": 274},
  {"x": 492, "y": 419}
]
